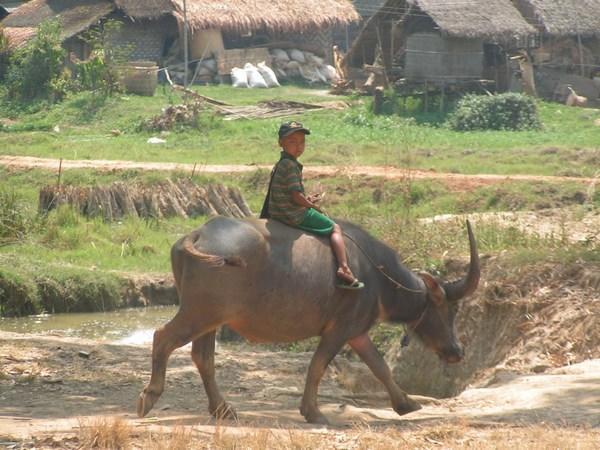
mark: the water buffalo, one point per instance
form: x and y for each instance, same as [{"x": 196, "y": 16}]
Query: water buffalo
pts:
[{"x": 274, "y": 283}]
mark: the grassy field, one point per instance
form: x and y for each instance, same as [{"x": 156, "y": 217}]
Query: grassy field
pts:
[
  {"x": 568, "y": 144},
  {"x": 31, "y": 244},
  {"x": 386, "y": 208}
]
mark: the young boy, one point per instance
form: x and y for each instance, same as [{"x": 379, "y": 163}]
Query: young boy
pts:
[{"x": 287, "y": 202}]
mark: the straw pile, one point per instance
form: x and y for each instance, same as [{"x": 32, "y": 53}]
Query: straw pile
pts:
[{"x": 182, "y": 198}]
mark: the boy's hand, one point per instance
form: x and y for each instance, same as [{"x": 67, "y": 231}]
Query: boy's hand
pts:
[{"x": 315, "y": 198}]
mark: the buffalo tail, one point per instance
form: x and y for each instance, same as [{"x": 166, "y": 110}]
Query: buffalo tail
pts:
[{"x": 211, "y": 260}]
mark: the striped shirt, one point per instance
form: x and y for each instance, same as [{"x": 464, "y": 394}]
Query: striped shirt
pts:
[{"x": 287, "y": 179}]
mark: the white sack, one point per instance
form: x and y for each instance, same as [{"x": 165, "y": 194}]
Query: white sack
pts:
[
  {"x": 203, "y": 71},
  {"x": 210, "y": 64},
  {"x": 268, "y": 74},
  {"x": 297, "y": 55},
  {"x": 255, "y": 79},
  {"x": 312, "y": 74},
  {"x": 329, "y": 72},
  {"x": 239, "y": 78},
  {"x": 279, "y": 54},
  {"x": 312, "y": 58}
]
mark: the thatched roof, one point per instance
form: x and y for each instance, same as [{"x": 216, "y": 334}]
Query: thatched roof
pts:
[
  {"x": 563, "y": 17},
  {"x": 75, "y": 15},
  {"x": 146, "y": 9},
  {"x": 18, "y": 37},
  {"x": 230, "y": 15},
  {"x": 497, "y": 19},
  {"x": 282, "y": 15}
]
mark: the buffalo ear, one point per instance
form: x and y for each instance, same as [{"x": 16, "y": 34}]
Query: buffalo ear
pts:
[{"x": 437, "y": 293}]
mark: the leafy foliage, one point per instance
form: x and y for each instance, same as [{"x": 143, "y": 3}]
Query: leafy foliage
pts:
[
  {"x": 101, "y": 70},
  {"x": 18, "y": 294},
  {"x": 15, "y": 223},
  {"x": 36, "y": 71},
  {"x": 3, "y": 54},
  {"x": 499, "y": 112}
]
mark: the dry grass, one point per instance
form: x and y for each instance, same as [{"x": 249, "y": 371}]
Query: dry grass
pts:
[
  {"x": 105, "y": 433},
  {"x": 116, "y": 433}
]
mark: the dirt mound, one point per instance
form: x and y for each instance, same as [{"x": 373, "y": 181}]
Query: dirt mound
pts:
[{"x": 524, "y": 319}]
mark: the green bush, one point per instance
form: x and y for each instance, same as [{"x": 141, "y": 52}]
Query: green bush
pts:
[
  {"x": 100, "y": 71},
  {"x": 18, "y": 295},
  {"x": 36, "y": 71},
  {"x": 15, "y": 221},
  {"x": 3, "y": 54},
  {"x": 499, "y": 112},
  {"x": 76, "y": 290},
  {"x": 25, "y": 292}
]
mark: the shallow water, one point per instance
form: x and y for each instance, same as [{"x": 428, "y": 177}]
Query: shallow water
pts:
[{"x": 127, "y": 326}]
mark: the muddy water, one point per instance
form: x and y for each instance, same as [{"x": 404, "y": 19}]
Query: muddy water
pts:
[{"x": 128, "y": 326}]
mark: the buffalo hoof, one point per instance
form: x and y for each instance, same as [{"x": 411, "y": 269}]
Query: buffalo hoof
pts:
[
  {"x": 145, "y": 402},
  {"x": 408, "y": 406},
  {"x": 315, "y": 417},
  {"x": 224, "y": 411}
]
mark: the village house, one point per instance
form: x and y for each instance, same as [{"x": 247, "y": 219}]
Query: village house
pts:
[
  {"x": 567, "y": 46},
  {"x": 442, "y": 42},
  {"x": 153, "y": 29}
]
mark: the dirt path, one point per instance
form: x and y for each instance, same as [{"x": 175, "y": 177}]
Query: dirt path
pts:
[
  {"x": 457, "y": 181},
  {"x": 50, "y": 386}
]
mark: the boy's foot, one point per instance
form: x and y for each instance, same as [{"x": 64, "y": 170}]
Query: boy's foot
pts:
[{"x": 349, "y": 281}]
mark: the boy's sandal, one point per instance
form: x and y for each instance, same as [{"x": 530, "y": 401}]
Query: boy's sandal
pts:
[{"x": 356, "y": 284}]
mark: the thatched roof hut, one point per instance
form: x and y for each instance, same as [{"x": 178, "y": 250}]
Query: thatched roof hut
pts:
[
  {"x": 75, "y": 15},
  {"x": 564, "y": 17},
  {"x": 492, "y": 20},
  {"x": 246, "y": 15},
  {"x": 18, "y": 36},
  {"x": 467, "y": 19},
  {"x": 150, "y": 18},
  {"x": 231, "y": 15}
]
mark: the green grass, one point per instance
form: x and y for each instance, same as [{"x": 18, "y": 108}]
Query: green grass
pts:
[
  {"x": 568, "y": 144},
  {"x": 385, "y": 208}
]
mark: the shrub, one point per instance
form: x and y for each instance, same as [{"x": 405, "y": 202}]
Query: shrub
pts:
[
  {"x": 76, "y": 290},
  {"x": 15, "y": 222},
  {"x": 3, "y": 54},
  {"x": 100, "y": 71},
  {"x": 18, "y": 295},
  {"x": 36, "y": 71},
  {"x": 499, "y": 112}
]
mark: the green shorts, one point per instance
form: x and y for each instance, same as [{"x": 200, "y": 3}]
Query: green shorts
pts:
[{"x": 317, "y": 223}]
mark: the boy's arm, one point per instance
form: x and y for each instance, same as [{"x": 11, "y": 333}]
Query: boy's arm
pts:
[{"x": 300, "y": 199}]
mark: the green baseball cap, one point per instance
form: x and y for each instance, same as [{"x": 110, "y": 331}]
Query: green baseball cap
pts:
[{"x": 288, "y": 128}]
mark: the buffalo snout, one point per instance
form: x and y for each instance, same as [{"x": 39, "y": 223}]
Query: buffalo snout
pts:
[{"x": 453, "y": 354}]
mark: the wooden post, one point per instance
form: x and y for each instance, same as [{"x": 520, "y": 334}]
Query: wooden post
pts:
[
  {"x": 59, "y": 173},
  {"x": 581, "y": 62},
  {"x": 426, "y": 104},
  {"x": 383, "y": 55},
  {"x": 442, "y": 97},
  {"x": 378, "y": 100}
]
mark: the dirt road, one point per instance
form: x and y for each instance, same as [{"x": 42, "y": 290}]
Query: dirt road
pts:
[
  {"x": 50, "y": 386},
  {"x": 458, "y": 181}
]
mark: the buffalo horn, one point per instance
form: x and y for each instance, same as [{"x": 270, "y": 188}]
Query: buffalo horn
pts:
[{"x": 456, "y": 290}]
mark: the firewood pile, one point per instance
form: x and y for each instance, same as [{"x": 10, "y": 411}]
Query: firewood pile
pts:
[
  {"x": 181, "y": 198},
  {"x": 176, "y": 116}
]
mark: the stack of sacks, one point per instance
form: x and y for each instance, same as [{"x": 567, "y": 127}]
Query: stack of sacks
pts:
[
  {"x": 251, "y": 76},
  {"x": 206, "y": 70},
  {"x": 295, "y": 63}
]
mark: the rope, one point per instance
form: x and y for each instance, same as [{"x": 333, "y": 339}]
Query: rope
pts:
[{"x": 381, "y": 269}]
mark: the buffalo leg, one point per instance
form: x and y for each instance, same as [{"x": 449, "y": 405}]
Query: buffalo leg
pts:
[
  {"x": 176, "y": 333},
  {"x": 401, "y": 402},
  {"x": 329, "y": 346},
  {"x": 203, "y": 355}
]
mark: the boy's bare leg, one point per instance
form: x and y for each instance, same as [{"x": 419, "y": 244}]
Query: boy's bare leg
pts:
[{"x": 339, "y": 249}]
